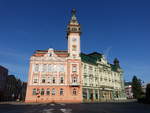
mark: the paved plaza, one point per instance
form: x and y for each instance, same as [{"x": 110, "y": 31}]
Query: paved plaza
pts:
[{"x": 113, "y": 107}]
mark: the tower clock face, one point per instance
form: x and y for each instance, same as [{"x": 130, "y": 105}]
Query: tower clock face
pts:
[{"x": 74, "y": 39}]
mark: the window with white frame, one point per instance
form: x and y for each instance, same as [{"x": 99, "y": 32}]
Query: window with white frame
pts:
[
  {"x": 74, "y": 68},
  {"x": 74, "y": 80},
  {"x": 54, "y": 80},
  {"x": 61, "y": 80},
  {"x": 42, "y": 91},
  {"x": 61, "y": 91},
  {"x": 34, "y": 91},
  {"x": 55, "y": 68},
  {"x": 48, "y": 80},
  {"x": 44, "y": 68},
  {"x": 74, "y": 92},
  {"x": 48, "y": 91},
  {"x": 49, "y": 68},
  {"x": 35, "y": 78},
  {"x": 43, "y": 80},
  {"x": 36, "y": 67},
  {"x": 61, "y": 68},
  {"x": 53, "y": 91}
]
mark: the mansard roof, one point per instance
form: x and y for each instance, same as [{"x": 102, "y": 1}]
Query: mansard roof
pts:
[{"x": 91, "y": 58}]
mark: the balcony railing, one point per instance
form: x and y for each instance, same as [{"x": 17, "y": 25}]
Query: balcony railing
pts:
[{"x": 74, "y": 84}]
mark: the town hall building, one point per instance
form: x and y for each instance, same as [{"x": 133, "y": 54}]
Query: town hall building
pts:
[{"x": 72, "y": 76}]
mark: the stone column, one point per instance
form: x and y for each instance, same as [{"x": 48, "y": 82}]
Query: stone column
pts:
[{"x": 87, "y": 92}]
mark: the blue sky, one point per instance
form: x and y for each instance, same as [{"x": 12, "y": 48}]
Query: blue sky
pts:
[{"x": 117, "y": 28}]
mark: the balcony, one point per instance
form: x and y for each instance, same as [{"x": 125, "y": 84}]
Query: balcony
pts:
[{"x": 74, "y": 84}]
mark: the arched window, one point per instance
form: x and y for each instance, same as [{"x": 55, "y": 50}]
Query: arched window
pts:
[
  {"x": 48, "y": 91},
  {"x": 61, "y": 91},
  {"x": 34, "y": 91},
  {"x": 53, "y": 91},
  {"x": 42, "y": 91},
  {"x": 74, "y": 91}
]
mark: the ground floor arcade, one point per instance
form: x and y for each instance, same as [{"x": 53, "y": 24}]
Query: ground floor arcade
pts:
[{"x": 101, "y": 94}]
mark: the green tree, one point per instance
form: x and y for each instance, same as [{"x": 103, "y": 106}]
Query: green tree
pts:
[
  {"x": 148, "y": 93},
  {"x": 136, "y": 87}
]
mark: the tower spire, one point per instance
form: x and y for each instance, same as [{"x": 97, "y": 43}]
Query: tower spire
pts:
[
  {"x": 73, "y": 20},
  {"x": 73, "y": 26}
]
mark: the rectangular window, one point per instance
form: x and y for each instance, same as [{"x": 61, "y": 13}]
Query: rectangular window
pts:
[
  {"x": 74, "y": 68},
  {"x": 43, "y": 80},
  {"x": 42, "y": 91},
  {"x": 54, "y": 80},
  {"x": 48, "y": 91},
  {"x": 34, "y": 91},
  {"x": 61, "y": 91},
  {"x": 44, "y": 68},
  {"x": 61, "y": 68},
  {"x": 49, "y": 68},
  {"x": 53, "y": 91},
  {"x": 74, "y": 80},
  {"x": 61, "y": 80},
  {"x": 36, "y": 68},
  {"x": 35, "y": 80},
  {"x": 48, "y": 80},
  {"x": 74, "y": 92}
]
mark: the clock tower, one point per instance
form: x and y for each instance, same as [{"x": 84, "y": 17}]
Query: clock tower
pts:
[
  {"x": 74, "y": 59},
  {"x": 73, "y": 36}
]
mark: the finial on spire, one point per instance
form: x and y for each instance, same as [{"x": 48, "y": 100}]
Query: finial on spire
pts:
[{"x": 73, "y": 11}]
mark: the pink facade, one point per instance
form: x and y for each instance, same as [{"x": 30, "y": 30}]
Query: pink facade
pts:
[{"x": 55, "y": 76}]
